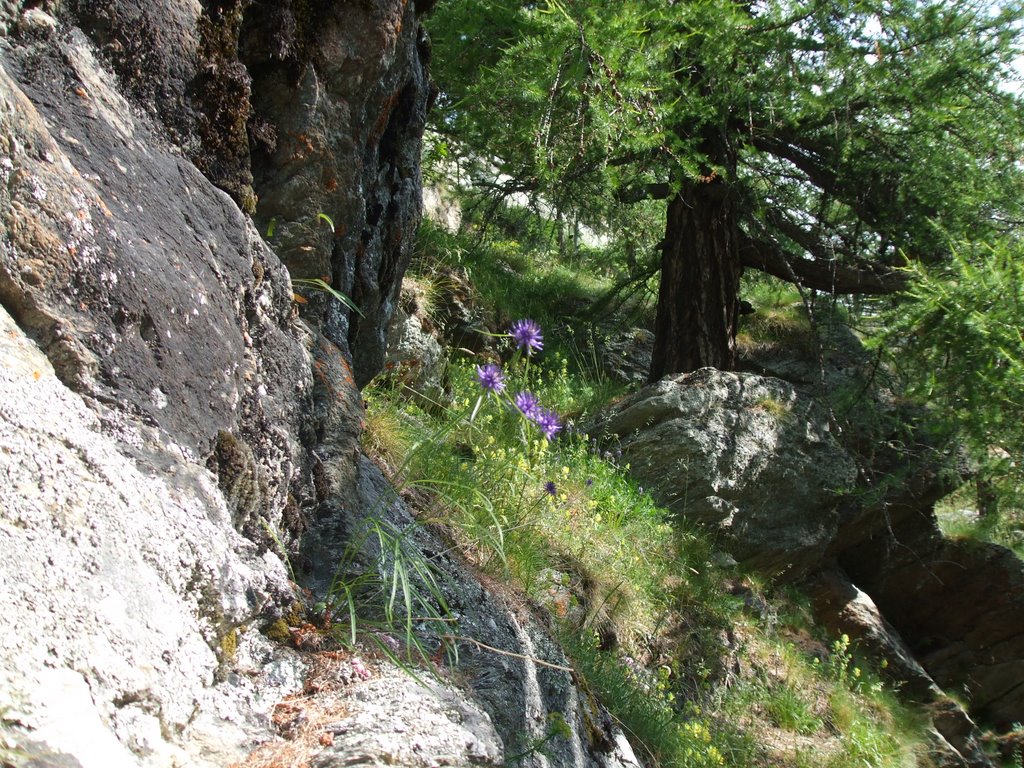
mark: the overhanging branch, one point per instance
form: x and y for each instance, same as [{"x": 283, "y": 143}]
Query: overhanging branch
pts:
[
  {"x": 822, "y": 275},
  {"x": 654, "y": 191}
]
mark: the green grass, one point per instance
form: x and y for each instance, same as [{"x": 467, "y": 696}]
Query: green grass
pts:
[
  {"x": 606, "y": 562},
  {"x": 640, "y": 608},
  {"x": 488, "y": 477},
  {"x": 959, "y": 519}
]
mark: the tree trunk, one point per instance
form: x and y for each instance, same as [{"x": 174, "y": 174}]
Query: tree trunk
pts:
[{"x": 700, "y": 273}]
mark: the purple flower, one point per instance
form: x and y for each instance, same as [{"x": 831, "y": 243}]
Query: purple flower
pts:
[
  {"x": 490, "y": 377},
  {"x": 527, "y": 404},
  {"x": 550, "y": 489},
  {"x": 589, "y": 482},
  {"x": 548, "y": 422},
  {"x": 526, "y": 334}
]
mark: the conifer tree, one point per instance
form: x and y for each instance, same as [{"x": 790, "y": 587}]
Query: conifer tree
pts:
[{"x": 825, "y": 142}]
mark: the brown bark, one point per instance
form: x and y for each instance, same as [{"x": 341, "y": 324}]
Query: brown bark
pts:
[
  {"x": 700, "y": 273},
  {"x": 826, "y": 275}
]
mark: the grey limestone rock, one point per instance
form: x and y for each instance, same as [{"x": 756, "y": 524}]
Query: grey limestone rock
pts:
[
  {"x": 168, "y": 426},
  {"x": 395, "y": 719},
  {"x": 415, "y": 358},
  {"x": 843, "y": 608},
  {"x": 145, "y": 286},
  {"x": 974, "y": 641},
  {"x": 143, "y": 317},
  {"x": 309, "y": 115},
  {"x": 511, "y": 666},
  {"x": 708, "y": 444},
  {"x": 129, "y": 575}
]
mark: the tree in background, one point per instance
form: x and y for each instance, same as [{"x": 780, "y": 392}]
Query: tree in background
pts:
[
  {"x": 960, "y": 343},
  {"x": 824, "y": 143}
]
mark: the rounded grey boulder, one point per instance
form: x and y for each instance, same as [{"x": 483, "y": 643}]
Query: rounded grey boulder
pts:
[{"x": 707, "y": 444}]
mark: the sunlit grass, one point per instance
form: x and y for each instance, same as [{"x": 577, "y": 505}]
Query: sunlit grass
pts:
[
  {"x": 561, "y": 522},
  {"x": 632, "y": 592},
  {"x": 959, "y": 518}
]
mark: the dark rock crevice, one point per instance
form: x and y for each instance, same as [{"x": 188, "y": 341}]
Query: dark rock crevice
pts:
[
  {"x": 959, "y": 605},
  {"x": 331, "y": 145}
]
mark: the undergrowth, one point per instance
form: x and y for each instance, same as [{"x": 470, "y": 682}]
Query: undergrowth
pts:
[{"x": 647, "y": 618}]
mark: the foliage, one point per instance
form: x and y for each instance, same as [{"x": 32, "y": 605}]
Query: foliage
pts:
[
  {"x": 319, "y": 284},
  {"x": 957, "y": 339},
  {"x": 397, "y": 593},
  {"x": 562, "y": 522},
  {"x": 959, "y": 334},
  {"x": 519, "y": 278},
  {"x": 835, "y": 110},
  {"x": 837, "y": 131},
  {"x": 779, "y": 321}
]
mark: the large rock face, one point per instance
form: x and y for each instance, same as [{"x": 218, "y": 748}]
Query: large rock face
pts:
[
  {"x": 154, "y": 391},
  {"x": 156, "y": 394},
  {"x": 309, "y": 114},
  {"x": 128, "y": 568},
  {"x": 145, "y": 286},
  {"x": 708, "y": 444},
  {"x": 176, "y": 442}
]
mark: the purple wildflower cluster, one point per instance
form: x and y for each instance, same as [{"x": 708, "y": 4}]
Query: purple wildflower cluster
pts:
[
  {"x": 544, "y": 418},
  {"x": 548, "y": 423},
  {"x": 527, "y": 404},
  {"x": 490, "y": 377},
  {"x": 527, "y": 335}
]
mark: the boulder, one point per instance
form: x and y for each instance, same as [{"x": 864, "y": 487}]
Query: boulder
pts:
[
  {"x": 895, "y": 559},
  {"x": 707, "y": 445},
  {"x": 415, "y": 359},
  {"x": 843, "y": 609}
]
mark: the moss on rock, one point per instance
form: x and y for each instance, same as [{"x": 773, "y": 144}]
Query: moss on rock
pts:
[{"x": 278, "y": 631}]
